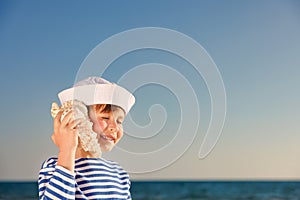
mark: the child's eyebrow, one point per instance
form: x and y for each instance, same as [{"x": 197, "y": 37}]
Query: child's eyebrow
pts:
[{"x": 102, "y": 114}]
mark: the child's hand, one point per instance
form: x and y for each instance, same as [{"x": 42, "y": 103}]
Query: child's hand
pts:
[{"x": 65, "y": 133}]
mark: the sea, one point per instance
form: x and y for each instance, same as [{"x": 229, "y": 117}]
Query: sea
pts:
[{"x": 186, "y": 190}]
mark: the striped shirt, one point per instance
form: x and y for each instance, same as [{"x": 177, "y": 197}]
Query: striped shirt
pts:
[{"x": 93, "y": 178}]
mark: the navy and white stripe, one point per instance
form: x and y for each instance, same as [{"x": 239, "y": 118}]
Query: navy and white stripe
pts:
[{"x": 93, "y": 178}]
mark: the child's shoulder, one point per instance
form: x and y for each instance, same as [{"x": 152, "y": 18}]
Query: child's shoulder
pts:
[
  {"x": 112, "y": 165},
  {"x": 110, "y": 162},
  {"x": 50, "y": 162},
  {"x": 96, "y": 161}
]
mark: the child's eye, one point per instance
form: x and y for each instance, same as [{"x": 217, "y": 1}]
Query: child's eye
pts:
[{"x": 104, "y": 118}]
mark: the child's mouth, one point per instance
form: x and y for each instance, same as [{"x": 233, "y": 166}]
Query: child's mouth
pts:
[{"x": 107, "y": 138}]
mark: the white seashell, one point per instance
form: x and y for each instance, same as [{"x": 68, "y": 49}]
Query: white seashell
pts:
[{"x": 88, "y": 138}]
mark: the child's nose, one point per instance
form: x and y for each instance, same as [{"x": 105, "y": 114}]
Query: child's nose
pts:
[{"x": 112, "y": 126}]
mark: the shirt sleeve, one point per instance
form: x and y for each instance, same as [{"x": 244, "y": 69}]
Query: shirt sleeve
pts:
[
  {"x": 55, "y": 182},
  {"x": 129, "y": 193}
]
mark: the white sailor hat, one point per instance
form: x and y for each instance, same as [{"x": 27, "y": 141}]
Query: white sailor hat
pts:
[{"x": 96, "y": 90}]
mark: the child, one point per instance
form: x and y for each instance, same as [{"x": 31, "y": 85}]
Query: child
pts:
[{"x": 78, "y": 174}]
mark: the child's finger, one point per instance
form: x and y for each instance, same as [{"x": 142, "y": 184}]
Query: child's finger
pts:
[
  {"x": 73, "y": 124},
  {"x": 57, "y": 121},
  {"x": 68, "y": 118}
]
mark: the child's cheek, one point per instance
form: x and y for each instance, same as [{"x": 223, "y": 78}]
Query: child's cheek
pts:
[{"x": 102, "y": 124}]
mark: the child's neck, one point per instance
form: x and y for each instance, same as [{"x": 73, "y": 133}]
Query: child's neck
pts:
[{"x": 80, "y": 153}]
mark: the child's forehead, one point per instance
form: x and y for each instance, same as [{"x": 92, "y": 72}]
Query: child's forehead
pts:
[
  {"x": 115, "y": 110},
  {"x": 115, "y": 115}
]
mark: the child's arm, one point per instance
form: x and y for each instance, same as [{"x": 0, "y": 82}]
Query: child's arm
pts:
[
  {"x": 66, "y": 138},
  {"x": 56, "y": 182},
  {"x": 56, "y": 178}
]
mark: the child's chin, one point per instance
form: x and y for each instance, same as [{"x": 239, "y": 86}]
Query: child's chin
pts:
[{"x": 106, "y": 148}]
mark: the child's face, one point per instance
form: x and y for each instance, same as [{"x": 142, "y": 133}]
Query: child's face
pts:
[{"x": 108, "y": 126}]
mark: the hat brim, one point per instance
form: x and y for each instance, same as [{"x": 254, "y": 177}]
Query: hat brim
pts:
[{"x": 99, "y": 94}]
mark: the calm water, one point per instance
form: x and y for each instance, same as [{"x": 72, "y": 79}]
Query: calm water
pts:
[{"x": 236, "y": 190}]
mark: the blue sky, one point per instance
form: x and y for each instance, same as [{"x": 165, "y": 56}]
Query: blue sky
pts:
[{"x": 255, "y": 45}]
